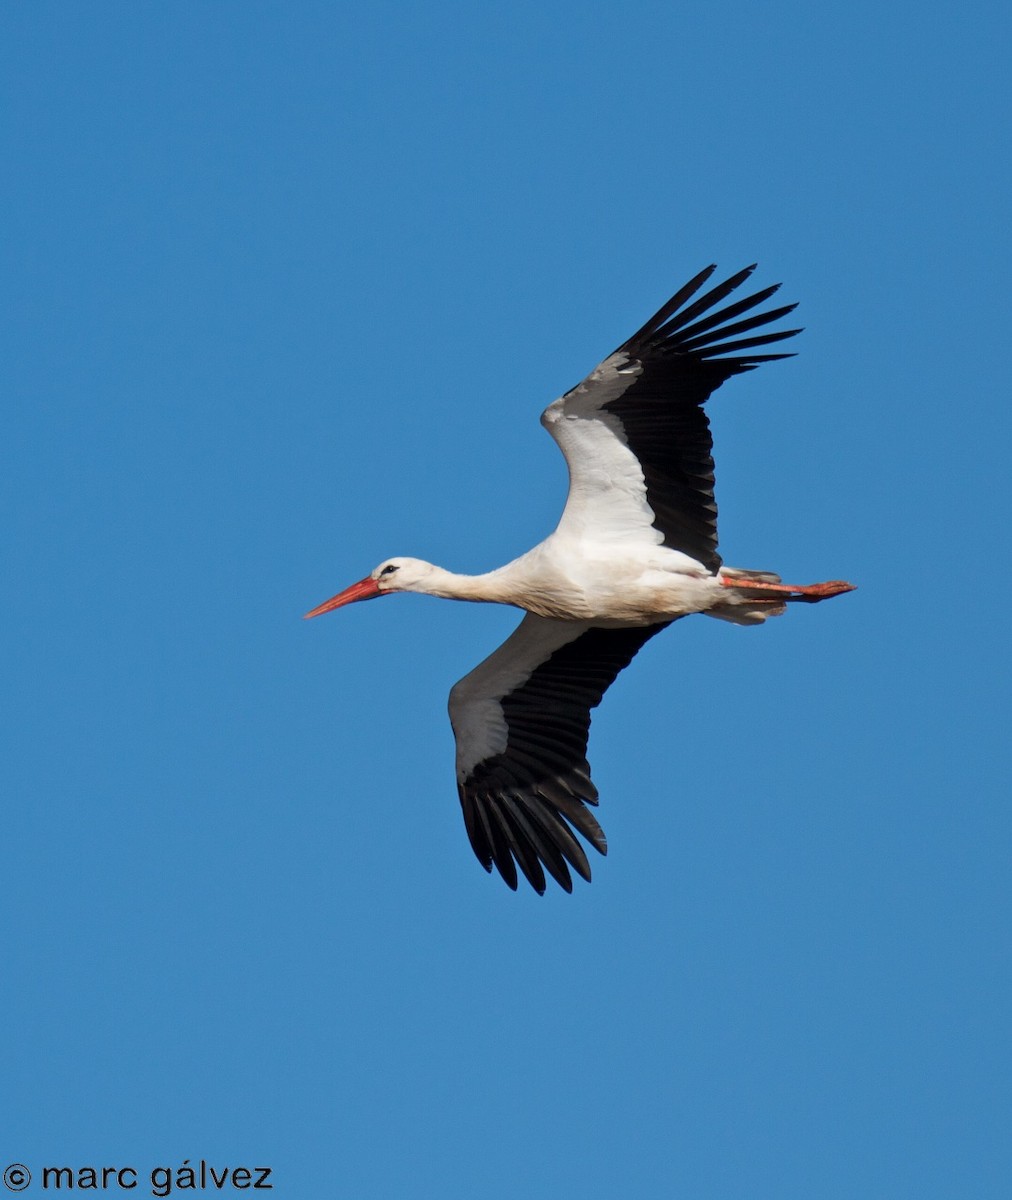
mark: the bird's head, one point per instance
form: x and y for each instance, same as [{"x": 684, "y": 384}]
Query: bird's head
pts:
[{"x": 393, "y": 575}]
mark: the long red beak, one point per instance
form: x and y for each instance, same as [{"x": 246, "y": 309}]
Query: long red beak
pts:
[{"x": 365, "y": 589}]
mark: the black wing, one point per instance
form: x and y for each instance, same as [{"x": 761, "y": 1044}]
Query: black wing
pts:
[{"x": 521, "y": 721}]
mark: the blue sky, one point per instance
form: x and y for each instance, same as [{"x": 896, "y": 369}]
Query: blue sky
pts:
[{"x": 290, "y": 285}]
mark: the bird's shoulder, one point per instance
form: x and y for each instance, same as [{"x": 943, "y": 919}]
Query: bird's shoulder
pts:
[{"x": 608, "y": 381}]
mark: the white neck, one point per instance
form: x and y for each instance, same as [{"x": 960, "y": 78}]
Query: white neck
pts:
[{"x": 492, "y": 587}]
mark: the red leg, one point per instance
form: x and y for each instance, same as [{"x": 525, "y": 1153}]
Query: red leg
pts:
[{"x": 810, "y": 592}]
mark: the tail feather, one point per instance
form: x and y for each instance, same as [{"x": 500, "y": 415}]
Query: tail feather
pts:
[
  {"x": 740, "y": 615},
  {"x": 742, "y": 573},
  {"x": 740, "y": 611}
]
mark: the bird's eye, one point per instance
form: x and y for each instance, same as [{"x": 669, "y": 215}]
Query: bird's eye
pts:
[{"x": 388, "y": 570}]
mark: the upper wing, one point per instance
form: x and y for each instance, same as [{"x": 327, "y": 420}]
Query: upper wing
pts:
[
  {"x": 521, "y": 720},
  {"x": 635, "y": 436}
]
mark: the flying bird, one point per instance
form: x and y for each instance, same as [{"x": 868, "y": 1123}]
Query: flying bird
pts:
[{"x": 636, "y": 549}]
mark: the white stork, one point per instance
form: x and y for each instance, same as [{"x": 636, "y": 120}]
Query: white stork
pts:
[{"x": 636, "y": 549}]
